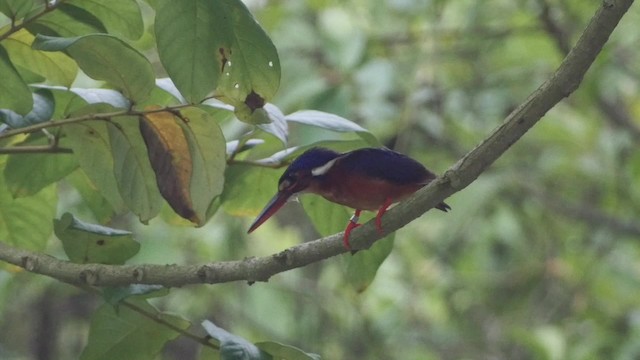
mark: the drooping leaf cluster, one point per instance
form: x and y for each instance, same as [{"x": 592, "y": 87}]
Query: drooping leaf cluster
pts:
[{"x": 133, "y": 118}]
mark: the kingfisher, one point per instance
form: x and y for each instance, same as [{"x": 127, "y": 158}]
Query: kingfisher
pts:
[{"x": 363, "y": 179}]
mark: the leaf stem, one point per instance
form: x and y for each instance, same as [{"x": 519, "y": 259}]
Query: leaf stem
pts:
[
  {"x": 48, "y": 7},
  {"x": 76, "y": 119},
  {"x": 203, "y": 340}
]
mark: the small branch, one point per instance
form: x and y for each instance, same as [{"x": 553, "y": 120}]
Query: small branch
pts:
[
  {"x": 72, "y": 120},
  {"x": 15, "y": 28},
  {"x": 200, "y": 340},
  {"x": 36, "y": 149},
  {"x": 152, "y": 316},
  {"x": 561, "y": 84}
]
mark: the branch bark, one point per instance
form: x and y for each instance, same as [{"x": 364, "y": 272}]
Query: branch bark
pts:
[{"x": 561, "y": 84}]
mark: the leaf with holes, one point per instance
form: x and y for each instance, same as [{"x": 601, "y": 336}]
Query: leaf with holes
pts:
[
  {"x": 224, "y": 33},
  {"x": 89, "y": 243}
]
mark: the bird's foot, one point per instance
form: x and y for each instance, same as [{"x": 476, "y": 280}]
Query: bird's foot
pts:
[
  {"x": 383, "y": 209},
  {"x": 353, "y": 223}
]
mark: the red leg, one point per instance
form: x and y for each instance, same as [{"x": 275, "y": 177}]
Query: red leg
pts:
[
  {"x": 383, "y": 209},
  {"x": 353, "y": 223}
]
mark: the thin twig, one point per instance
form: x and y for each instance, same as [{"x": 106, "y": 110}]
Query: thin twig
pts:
[
  {"x": 35, "y": 149},
  {"x": 203, "y": 340},
  {"x": 77, "y": 119},
  {"x": 15, "y": 28}
]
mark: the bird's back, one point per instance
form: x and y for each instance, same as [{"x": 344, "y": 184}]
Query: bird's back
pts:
[{"x": 386, "y": 165}]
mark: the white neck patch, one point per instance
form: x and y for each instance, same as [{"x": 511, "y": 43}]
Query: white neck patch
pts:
[{"x": 321, "y": 170}]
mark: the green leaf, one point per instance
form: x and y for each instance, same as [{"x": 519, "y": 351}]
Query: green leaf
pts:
[
  {"x": 134, "y": 175},
  {"x": 104, "y": 57},
  {"x": 328, "y": 218},
  {"x": 118, "y": 16},
  {"x": 277, "y": 125},
  {"x": 91, "y": 146},
  {"x": 43, "y": 107},
  {"x": 79, "y": 101},
  {"x": 187, "y": 154},
  {"x": 97, "y": 204},
  {"x": 361, "y": 268},
  {"x": 205, "y": 45},
  {"x": 90, "y": 243},
  {"x": 27, "y": 174},
  {"x": 168, "y": 86},
  {"x": 208, "y": 154},
  {"x": 233, "y": 347},
  {"x": 26, "y": 222},
  {"x": 332, "y": 122},
  {"x": 115, "y": 295},
  {"x": 232, "y": 146},
  {"x": 248, "y": 188},
  {"x": 14, "y": 92},
  {"x": 67, "y": 20},
  {"x": 127, "y": 334},
  {"x": 186, "y": 46},
  {"x": 102, "y": 96},
  {"x": 285, "y": 352},
  {"x": 16, "y": 9},
  {"x": 56, "y": 68}
]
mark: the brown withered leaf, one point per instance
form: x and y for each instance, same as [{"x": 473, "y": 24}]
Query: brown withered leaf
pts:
[{"x": 170, "y": 159}]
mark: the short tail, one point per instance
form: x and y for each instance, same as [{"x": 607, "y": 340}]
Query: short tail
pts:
[{"x": 443, "y": 207}]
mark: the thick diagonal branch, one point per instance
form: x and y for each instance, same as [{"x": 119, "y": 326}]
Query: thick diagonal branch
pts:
[{"x": 562, "y": 83}]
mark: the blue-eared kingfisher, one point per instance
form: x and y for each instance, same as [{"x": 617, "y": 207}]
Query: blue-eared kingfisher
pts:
[{"x": 362, "y": 179}]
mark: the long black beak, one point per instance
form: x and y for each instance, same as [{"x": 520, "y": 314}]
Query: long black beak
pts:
[{"x": 271, "y": 208}]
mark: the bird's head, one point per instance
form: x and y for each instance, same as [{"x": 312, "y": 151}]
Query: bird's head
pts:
[{"x": 311, "y": 166}]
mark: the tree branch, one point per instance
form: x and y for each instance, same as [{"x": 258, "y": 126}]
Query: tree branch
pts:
[
  {"x": 562, "y": 83},
  {"x": 613, "y": 108}
]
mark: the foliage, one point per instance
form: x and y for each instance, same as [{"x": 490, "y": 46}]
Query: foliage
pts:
[{"x": 165, "y": 111}]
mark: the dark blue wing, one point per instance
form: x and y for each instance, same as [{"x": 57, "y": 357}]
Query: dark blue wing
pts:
[{"x": 387, "y": 165}]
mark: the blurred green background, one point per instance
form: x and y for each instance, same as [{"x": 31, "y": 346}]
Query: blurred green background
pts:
[{"x": 539, "y": 258}]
